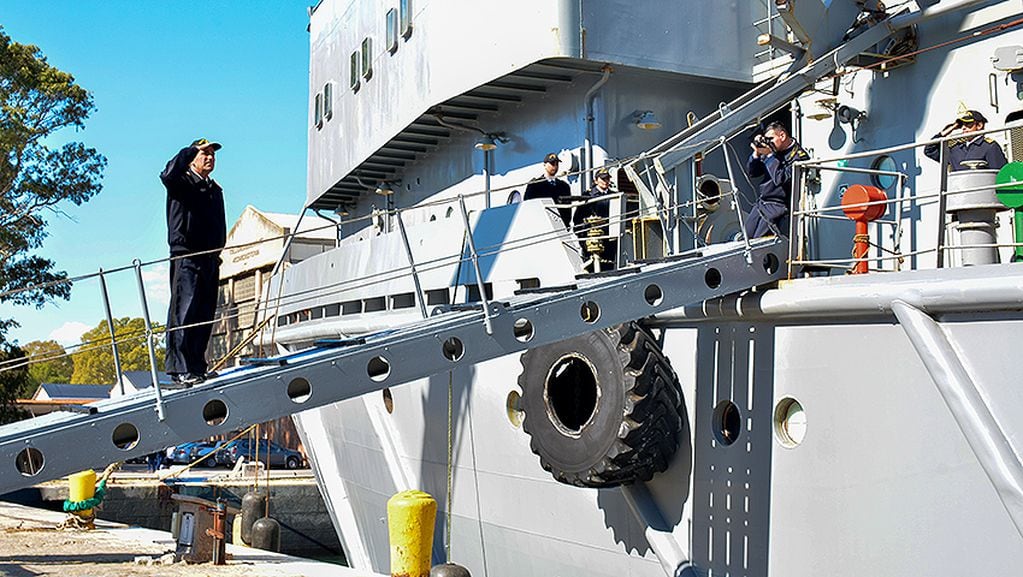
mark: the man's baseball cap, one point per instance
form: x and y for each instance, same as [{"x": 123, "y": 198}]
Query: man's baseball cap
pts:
[
  {"x": 971, "y": 116},
  {"x": 552, "y": 158},
  {"x": 202, "y": 142}
]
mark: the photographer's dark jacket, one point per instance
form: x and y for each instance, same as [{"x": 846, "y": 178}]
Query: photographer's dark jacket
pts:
[
  {"x": 777, "y": 184},
  {"x": 195, "y": 207},
  {"x": 961, "y": 150}
]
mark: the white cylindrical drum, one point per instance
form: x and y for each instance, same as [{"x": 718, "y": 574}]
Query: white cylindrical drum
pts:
[{"x": 974, "y": 215}]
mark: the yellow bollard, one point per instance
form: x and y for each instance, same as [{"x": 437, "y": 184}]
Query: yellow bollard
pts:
[
  {"x": 82, "y": 486},
  {"x": 410, "y": 517}
]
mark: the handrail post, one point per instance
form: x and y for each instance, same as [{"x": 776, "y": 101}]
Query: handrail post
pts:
[
  {"x": 476, "y": 266},
  {"x": 942, "y": 203},
  {"x": 110, "y": 325},
  {"x": 149, "y": 338},
  {"x": 412, "y": 264}
]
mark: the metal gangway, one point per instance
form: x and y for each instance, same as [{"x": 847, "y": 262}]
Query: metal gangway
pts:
[{"x": 61, "y": 443}]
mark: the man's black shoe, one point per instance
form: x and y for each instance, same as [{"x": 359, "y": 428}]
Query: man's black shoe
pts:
[{"x": 186, "y": 381}]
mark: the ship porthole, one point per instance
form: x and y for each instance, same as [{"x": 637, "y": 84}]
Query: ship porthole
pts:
[
  {"x": 214, "y": 412},
  {"x": 727, "y": 422},
  {"x": 712, "y": 278},
  {"x": 789, "y": 422},
  {"x": 590, "y": 312},
  {"x": 126, "y": 436},
  {"x": 453, "y": 349},
  {"x": 299, "y": 390},
  {"x": 523, "y": 330},
  {"x": 653, "y": 295},
  {"x": 378, "y": 369},
  {"x": 770, "y": 263},
  {"x": 515, "y": 414},
  {"x": 29, "y": 461}
]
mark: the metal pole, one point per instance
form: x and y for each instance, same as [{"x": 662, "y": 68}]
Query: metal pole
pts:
[
  {"x": 412, "y": 265},
  {"x": 113, "y": 336},
  {"x": 942, "y": 202},
  {"x": 486, "y": 174},
  {"x": 149, "y": 338},
  {"x": 476, "y": 266},
  {"x": 735, "y": 202}
]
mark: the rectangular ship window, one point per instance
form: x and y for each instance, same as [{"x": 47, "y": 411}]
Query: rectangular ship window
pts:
[
  {"x": 353, "y": 77},
  {"x": 375, "y": 304},
  {"x": 318, "y": 111},
  {"x": 367, "y": 57},
  {"x": 403, "y": 301},
  {"x": 328, "y": 102},
  {"x": 438, "y": 297},
  {"x": 332, "y": 310},
  {"x": 351, "y": 307},
  {"x": 528, "y": 283},
  {"x": 316, "y": 313},
  {"x": 405, "y": 7},
  {"x": 392, "y": 30},
  {"x": 474, "y": 292}
]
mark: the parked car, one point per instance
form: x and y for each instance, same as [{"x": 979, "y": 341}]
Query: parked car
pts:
[
  {"x": 207, "y": 449},
  {"x": 182, "y": 454},
  {"x": 271, "y": 454}
]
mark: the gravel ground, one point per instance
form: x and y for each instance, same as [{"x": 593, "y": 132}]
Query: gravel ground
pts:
[{"x": 31, "y": 546}]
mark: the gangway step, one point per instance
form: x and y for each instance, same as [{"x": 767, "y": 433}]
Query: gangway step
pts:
[
  {"x": 60, "y": 443},
  {"x": 264, "y": 362}
]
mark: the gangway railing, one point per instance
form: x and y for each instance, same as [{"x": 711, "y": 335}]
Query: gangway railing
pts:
[{"x": 58, "y": 444}]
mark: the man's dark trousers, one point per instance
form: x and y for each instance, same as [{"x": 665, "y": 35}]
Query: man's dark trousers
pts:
[{"x": 193, "y": 281}]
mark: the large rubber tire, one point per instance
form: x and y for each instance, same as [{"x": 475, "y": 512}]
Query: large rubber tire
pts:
[{"x": 603, "y": 409}]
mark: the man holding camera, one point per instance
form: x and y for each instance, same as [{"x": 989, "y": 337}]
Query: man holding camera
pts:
[
  {"x": 972, "y": 151},
  {"x": 773, "y": 154}
]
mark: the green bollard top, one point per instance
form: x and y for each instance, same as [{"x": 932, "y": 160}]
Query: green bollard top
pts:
[{"x": 1010, "y": 196}]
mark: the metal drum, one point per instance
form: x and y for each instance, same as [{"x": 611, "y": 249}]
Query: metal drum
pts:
[{"x": 974, "y": 215}]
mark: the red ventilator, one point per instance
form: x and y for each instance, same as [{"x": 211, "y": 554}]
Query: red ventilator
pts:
[{"x": 863, "y": 204}]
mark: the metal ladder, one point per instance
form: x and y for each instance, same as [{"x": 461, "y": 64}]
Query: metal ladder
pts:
[{"x": 57, "y": 444}]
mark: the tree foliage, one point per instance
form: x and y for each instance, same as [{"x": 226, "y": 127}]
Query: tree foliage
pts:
[
  {"x": 13, "y": 384},
  {"x": 50, "y": 363},
  {"x": 94, "y": 365},
  {"x": 36, "y": 101}
]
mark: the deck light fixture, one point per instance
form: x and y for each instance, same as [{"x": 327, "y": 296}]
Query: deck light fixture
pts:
[
  {"x": 486, "y": 143},
  {"x": 645, "y": 120}
]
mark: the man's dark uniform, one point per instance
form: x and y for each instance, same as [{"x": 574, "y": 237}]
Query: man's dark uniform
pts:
[
  {"x": 774, "y": 193},
  {"x": 195, "y": 223},
  {"x": 968, "y": 149},
  {"x": 599, "y": 209},
  {"x": 553, "y": 189}
]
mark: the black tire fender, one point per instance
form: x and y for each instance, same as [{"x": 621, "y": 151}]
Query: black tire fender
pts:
[{"x": 602, "y": 409}]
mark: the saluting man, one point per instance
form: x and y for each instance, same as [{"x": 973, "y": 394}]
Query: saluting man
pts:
[
  {"x": 972, "y": 151},
  {"x": 196, "y": 232}
]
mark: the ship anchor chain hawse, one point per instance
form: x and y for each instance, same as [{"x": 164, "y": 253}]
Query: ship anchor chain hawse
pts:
[{"x": 626, "y": 381}]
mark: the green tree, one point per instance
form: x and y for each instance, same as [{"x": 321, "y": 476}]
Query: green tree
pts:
[
  {"x": 49, "y": 363},
  {"x": 95, "y": 364},
  {"x": 13, "y": 383},
  {"x": 36, "y": 101}
]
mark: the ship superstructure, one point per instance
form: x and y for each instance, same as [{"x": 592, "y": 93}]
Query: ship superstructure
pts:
[{"x": 837, "y": 398}]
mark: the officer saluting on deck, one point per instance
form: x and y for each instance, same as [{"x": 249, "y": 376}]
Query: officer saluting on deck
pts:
[
  {"x": 968, "y": 152},
  {"x": 196, "y": 232}
]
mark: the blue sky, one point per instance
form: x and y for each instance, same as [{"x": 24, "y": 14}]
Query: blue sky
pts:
[{"x": 162, "y": 74}]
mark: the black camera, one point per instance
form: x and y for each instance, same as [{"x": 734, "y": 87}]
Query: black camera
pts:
[{"x": 761, "y": 141}]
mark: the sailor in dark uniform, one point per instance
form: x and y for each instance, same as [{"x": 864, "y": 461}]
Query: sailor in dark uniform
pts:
[
  {"x": 549, "y": 186},
  {"x": 196, "y": 232},
  {"x": 969, "y": 152},
  {"x": 773, "y": 154},
  {"x": 593, "y": 218}
]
